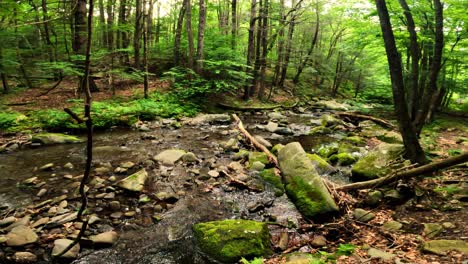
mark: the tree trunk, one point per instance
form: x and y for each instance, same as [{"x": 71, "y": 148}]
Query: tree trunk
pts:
[
  {"x": 137, "y": 33},
  {"x": 124, "y": 40},
  {"x": 279, "y": 62},
  {"x": 410, "y": 139},
  {"x": 263, "y": 59},
  {"x": 257, "y": 64},
  {"x": 233, "y": 24},
  {"x": 201, "y": 36},
  {"x": 178, "y": 33},
  {"x": 102, "y": 24},
  {"x": 251, "y": 44},
  {"x": 110, "y": 24},
  {"x": 191, "y": 48},
  {"x": 158, "y": 23},
  {"x": 145, "y": 50},
  {"x": 287, "y": 55},
  {"x": 45, "y": 18}
]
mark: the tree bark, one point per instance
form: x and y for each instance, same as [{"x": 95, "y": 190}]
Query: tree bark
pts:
[
  {"x": 145, "y": 50},
  {"x": 110, "y": 24},
  {"x": 178, "y": 33},
  {"x": 201, "y": 36},
  {"x": 188, "y": 21},
  {"x": 137, "y": 33},
  {"x": 233, "y": 24},
  {"x": 408, "y": 132},
  {"x": 264, "y": 44},
  {"x": 287, "y": 55},
  {"x": 251, "y": 44}
]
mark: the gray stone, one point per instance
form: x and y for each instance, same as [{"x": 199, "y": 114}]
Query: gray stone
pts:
[
  {"x": 65, "y": 218},
  {"x": 61, "y": 244},
  {"x": 432, "y": 229},
  {"x": 271, "y": 127},
  {"x": 54, "y": 138},
  {"x": 169, "y": 157},
  {"x": 190, "y": 157},
  {"x": 392, "y": 226},
  {"x": 276, "y": 116},
  {"x": 284, "y": 131},
  {"x": 24, "y": 257},
  {"x": 303, "y": 184},
  {"x": 20, "y": 236},
  {"x": 263, "y": 141},
  {"x": 441, "y": 247},
  {"x": 134, "y": 182},
  {"x": 377, "y": 253},
  {"x": 363, "y": 215},
  {"x": 106, "y": 238},
  {"x": 210, "y": 119}
]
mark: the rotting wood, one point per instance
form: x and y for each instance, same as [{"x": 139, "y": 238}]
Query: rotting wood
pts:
[
  {"x": 432, "y": 167},
  {"x": 376, "y": 120}
]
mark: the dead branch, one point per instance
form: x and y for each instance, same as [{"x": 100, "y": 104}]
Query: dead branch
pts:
[
  {"x": 73, "y": 115},
  {"x": 429, "y": 168},
  {"x": 51, "y": 88},
  {"x": 376, "y": 120}
]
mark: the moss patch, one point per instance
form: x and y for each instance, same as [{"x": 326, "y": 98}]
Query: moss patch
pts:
[
  {"x": 230, "y": 240},
  {"x": 343, "y": 159},
  {"x": 269, "y": 176},
  {"x": 321, "y": 165},
  {"x": 258, "y": 156},
  {"x": 377, "y": 162}
]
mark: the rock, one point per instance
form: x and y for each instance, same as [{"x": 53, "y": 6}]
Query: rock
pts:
[
  {"x": 269, "y": 176},
  {"x": 343, "y": 159},
  {"x": 319, "y": 241},
  {"x": 54, "y": 138},
  {"x": 432, "y": 229},
  {"x": 332, "y": 105},
  {"x": 114, "y": 205},
  {"x": 213, "y": 173},
  {"x": 116, "y": 215},
  {"x": 321, "y": 165},
  {"x": 231, "y": 145},
  {"x": 258, "y": 156},
  {"x": 354, "y": 139},
  {"x": 271, "y": 127},
  {"x": 393, "y": 196},
  {"x": 276, "y": 148},
  {"x": 41, "y": 221},
  {"x": 377, "y": 253},
  {"x": 448, "y": 225},
  {"x": 257, "y": 166},
  {"x": 242, "y": 154},
  {"x": 61, "y": 244},
  {"x": 134, "y": 182},
  {"x": 41, "y": 192},
  {"x": 167, "y": 197},
  {"x": 3, "y": 239},
  {"x": 328, "y": 120},
  {"x": 127, "y": 165},
  {"x": 362, "y": 215},
  {"x": 303, "y": 184},
  {"x": 144, "y": 128},
  {"x": 230, "y": 240},
  {"x": 7, "y": 221},
  {"x": 169, "y": 157},
  {"x": 276, "y": 116},
  {"x": 301, "y": 258},
  {"x": 65, "y": 218},
  {"x": 24, "y": 257},
  {"x": 373, "y": 198},
  {"x": 25, "y": 221},
  {"x": 392, "y": 226},
  {"x": 441, "y": 247},
  {"x": 284, "y": 131},
  {"x": 48, "y": 166},
  {"x": 236, "y": 166},
  {"x": 106, "y": 238},
  {"x": 376, "y": 163},
  {"x": 263, "y": 141},
  {"x": 30, "y": 181},
  {"x": 391, "y": 137},
  {"x": 20, "y": 236},
  {"x": 210, "y": 119},
  {"x": 68, "y": 165},
  {"x": 190, "y": 157}
]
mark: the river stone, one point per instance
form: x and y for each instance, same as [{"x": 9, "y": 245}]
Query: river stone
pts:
[
  {"x": 328, "y": 120},
  {"x": 20, "y": 236},
  {"x": 284, "y": 131},
  {"x": 320, "y": 130},
  {"x": 24, "y": 221},
  {"x": 106, "y": 238},
  {"x": 441, "y": 247},
  {"x": 61, "y": 244},
  {"x": 343, "y": 159},
  {"x": 190, "y": 157},
  {"x": 271, "y": 127},
  {"x": 392, "y": 226},
  {"x": 303, "y": 184},
  {"x": 169, "y": 157},
  {"x": 231, "y": 145},
  {"x": 228, "y": 241},
  {"x": 373, "y": 198},
  {"x": 263, "y": 141},
  {"x": 127, "y": 165},
  {"x": 321, "y": 165},
  {"x": 68, "y": 165},
  {"x": 54, "y": 138},
  {"x": 134, "y": 182},
  {"x": 210, "y": 119},
  {"x": 380, "y": 254},
  {"x": 24, "y": 257},
  {"x": 257, "y": 166},
  {"x": 363, "y": 215},
  {"x": 432, "y": 229},
  {"x": 47, "y": 166},
  {"x": 41, "y": 221},
  {"x": 391, "y": 137},
  {"x": 276, "y": 116},
  {"x": 242, "y": 154},
  {"x": 7, "y": 221},
  {"x": 258, "y": 156},
  {"x": 332, "y": 105},
  {"x": 376, "y": 163},
  {"x": 276, "y": 148},
  {"x": 301, "y": 258}
]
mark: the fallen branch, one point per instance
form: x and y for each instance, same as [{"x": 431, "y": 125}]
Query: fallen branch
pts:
[
  {"x": 248, "y": 108},
  {"x": 432, "y": 167},
  {"x": 51, "y": 88},
  {"x": 376, "y": 120},
  {"x": 73, "y": 115}
]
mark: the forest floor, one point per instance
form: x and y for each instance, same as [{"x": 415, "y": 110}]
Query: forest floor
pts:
[{"x": 440, "y": 199}]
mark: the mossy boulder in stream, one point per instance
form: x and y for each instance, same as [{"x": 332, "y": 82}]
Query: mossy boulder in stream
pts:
[
  {"x": 303, "y": 184},
  {"x": 134, "y": 182},
  {"x": 228, "y": 241},
  {"x": 377, "y": 162},
  {"x": 321, "y": 165},
  {"x": 258, "y": 156},
  {"x": 269, "y": 176},
  {"x": 343, "y": 159},
  {"x": 54, "y": 138}
]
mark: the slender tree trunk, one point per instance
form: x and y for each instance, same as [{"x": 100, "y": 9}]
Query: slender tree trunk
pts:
[
  {"x": 188, "y": 21},
  {"x": 279, "y": 62},
  {"x": 145, "y": 49},
  {"x": 263, "y": 59},
  {"x": 6, "y": 88},
  {"x": 110, "y": 24},
  {"x": 124, "y": 40},
  {"x": 45, "y": 18},
  {"x": 251, "y": 44},
  {"x": 338, "y": 72},
  {"x": 287, "y": 55},
  {"x": 149, "y": 21},
  {"x": 178, "y": 33},
  {"x": 18, "y": 53},
  {"x": 233, "y": 24},
  {"x": 357, "y": 87},
  {"x": 258, "y": 40},
  {"x": 410, "y": 139},
  {"x": 158, "y": 23},
  {"x": 102, "y": 24},
  {"x": 137, "y": 33},
  {"x": 201, "y": 36}
]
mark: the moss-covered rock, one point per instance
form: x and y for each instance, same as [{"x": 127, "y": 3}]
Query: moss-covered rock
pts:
[
  {"x": 320, "y": 130},
  {"x": 242, "y": 154},
  {"x": 134, "y": 182},
  {"x": 441, "y": 247},
  {"x": 343, "y": 159},
  {"x": 228, "y": 241},
  {"x": 330, "y": 121},
  {"x": 303, "y": 184},
  {"x": 54, "y": 138},
  {"x": 391, "y": 137},
  {"x": 269, "y": 176},
  {"x": 276, "y": 148},
  {"x": 321, "y": 165},
  {"x": 258, "y": 156},
  {"x": 354, "y": 139},
  {"x": 326, "y": 151},
  {"x": 377, "y": 162}
]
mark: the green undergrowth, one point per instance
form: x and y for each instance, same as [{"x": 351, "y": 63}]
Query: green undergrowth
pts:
[{"x": 104, "y": 114}]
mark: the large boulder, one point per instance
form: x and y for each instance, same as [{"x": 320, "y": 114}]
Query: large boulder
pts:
[
  {"x": 321, "y": 165},
  {"x": 303, "y": 184},
  {"x": 441, "y": 247},
  {"x": 332, "y": 105},
  {"x": 54, "y": 138},
  {"x": 377, "y": 162},
  {"x": 169, "y": 157},
  {"x": 205, "y": 119},
  {"x": 228, "y": 241},
  {"x": 134, "y": 182}
]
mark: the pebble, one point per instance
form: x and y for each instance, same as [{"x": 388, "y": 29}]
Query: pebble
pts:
[
  {"x": 24, "y": 257},
  {"x": 41, "y": 192},
  {"x": 116, "y": 215}
]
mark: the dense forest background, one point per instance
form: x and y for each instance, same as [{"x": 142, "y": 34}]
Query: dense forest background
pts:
[{"x": 246, "y": 47}]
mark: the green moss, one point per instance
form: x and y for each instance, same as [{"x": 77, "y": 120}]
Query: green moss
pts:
[
  {"x": 242, "y": 154},
  {"x": 230, "y": 240},
  {"x": 343, "y": 159},
  {"x": 276, "y": 148},
  {"x": 354, "y": 139},
  {"x": 320, "y": 130},
  {"x": 258, "y": 156},
  {"x": 326, "y": 151},
  {"x": 321, "y": 165},
  {"x": 269, "y": 176},
  {"x": 377, "y": 162},
  {"x": 54, "y": 138}
]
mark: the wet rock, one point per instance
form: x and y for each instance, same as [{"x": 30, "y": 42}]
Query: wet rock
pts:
[
  {"x": 190, "y": 157},
  {"x": 276, "y": 116},
  {"x": 54, "y": 138},
  {"x": 380, "y": 254},
  {"x": 242, "y": 154},
  {"x": 127, "y": 165},
  {"x": 321, "y": 165},
  {"x": 114, "y": 205},
  {"x": 332, "y": 105},
  {"x": 263, "y": 141},
  {"x": 169, "y": 157},
  {"x": 134, "y": 182},
  {"x": 258, "y": 156},
  {"x": 354, "y": 139},
  {"x": 431, "y": 230},
  {"x": 374, "y": 198},
  {"x": 441, "y": 247},
  {"x": 376, "y": 163},
  {"x": 24, "y": 257},
  {"x": 61, "y": 244},
  {"x": 205, "y": 119},
  {"x": 30, "y": 181},
  {"x": 3, "y": 239},
  {"x": 116, "y": 215},
  {"x": 20, "y": 236},
  {"x": 231, "y": 145},
  {"x": 68, "y": 165},
  {"x": 343, "y": 159},
  {"x": 393, "y": 196},
  {"x": 319, "y": 241},
  {"x": 330, "y": 121},
  {"x": 24, "y": 221},
  {"x": 7, "y": 221},
  {"x": 363, "y": 215},
  {"x": 320, "y": 130},
  {"x": 271, "y": 127},
  {"x": 284, "y": 131},
  {"x": 392, "y": 226},
  {"x": 213, "y": 173},
  {"x": 65, "y": 218},
  {"x": 46, "y": 167},
  {"x": 303, "y": 184},
  {"x": 230, "y": 240},
  {"x": 41, "y": 221},
  {"x": 106, "y": 238},
  {"x": 257, "y": 166},
  {"x": 167, "y": 197}
]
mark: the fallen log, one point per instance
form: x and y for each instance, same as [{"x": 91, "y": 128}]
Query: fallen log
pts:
[
  {"x": 376, "y": 120},
  {"x": 393, "y": 177},
  {"x": 256, "y": 108}
]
